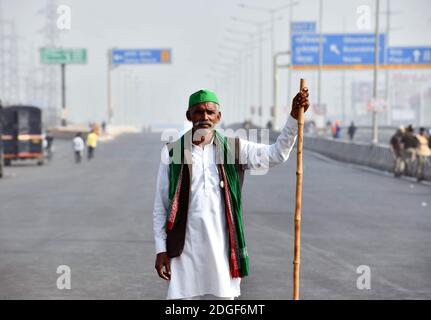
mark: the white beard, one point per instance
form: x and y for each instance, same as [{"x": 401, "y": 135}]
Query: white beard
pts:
[{"x": 202, "y": 132}]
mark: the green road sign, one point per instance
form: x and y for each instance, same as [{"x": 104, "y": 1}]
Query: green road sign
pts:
[{"x": 63, "y": 56}]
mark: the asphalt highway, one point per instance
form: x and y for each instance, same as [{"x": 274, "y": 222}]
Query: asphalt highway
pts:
[{"x": 96, "y": 218}]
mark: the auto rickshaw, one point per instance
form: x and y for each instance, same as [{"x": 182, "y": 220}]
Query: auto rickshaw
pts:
[{"x": 22, "y": 134}]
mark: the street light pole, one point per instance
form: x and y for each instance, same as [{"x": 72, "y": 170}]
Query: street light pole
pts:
[
  {"x": 272, "y": 13},
  {"x": 275, "y": 91},
  {"x": 222, "y": 72},
  {"x": 63, "y": 95},
  {"x": 260, "y": 111},
  {"x": 319, "y": 72},
  {"x": 236, "y": 83},
  {"x": 249, "y": 67},
  {"x": 259, "y": 26},
  {"x": 242, "y": 77},
  {"x": 388, "y": 28},
  {"x": 376, "y": 66},
  {"x": 289, "y": 71},
  {"x": 109, "y": 87}
]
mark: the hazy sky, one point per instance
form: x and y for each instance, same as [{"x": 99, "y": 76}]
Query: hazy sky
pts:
[{"x": 194, "y": 29}]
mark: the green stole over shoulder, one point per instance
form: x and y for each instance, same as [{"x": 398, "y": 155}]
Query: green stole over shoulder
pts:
[{"x": 230, "y": 188}]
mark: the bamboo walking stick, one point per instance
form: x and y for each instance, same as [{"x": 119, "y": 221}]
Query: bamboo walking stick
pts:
[{"x": 297, "y": 249}]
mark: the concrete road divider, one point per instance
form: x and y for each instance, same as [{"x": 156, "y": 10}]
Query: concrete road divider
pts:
[
  {"x": 375, "y": 156},
  {"x": 111, "y": 131}
]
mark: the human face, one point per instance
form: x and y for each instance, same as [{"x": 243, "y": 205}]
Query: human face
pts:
[{"x": 204, "y": 115}]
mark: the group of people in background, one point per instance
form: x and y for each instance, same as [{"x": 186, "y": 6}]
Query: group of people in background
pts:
[
  {"x": 79, "y": 144},
  {"x": 335, "y": 129},
  {"x": 410, "y": 149}
]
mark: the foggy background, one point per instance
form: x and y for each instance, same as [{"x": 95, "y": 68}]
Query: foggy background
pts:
[{"x": 206, "y": 53}]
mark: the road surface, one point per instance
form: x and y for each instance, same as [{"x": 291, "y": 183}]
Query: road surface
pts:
[{"x": 96, "y": 218}]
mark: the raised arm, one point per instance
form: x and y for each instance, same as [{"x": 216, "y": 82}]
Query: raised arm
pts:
[{"x": 262, "y": 156}]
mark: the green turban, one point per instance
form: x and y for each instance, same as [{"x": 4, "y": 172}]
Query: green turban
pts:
[{"x": 202, "y": 96}]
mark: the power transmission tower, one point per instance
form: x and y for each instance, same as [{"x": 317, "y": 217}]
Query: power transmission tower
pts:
[
  {"x": 9, "y": 61},
  {"x": 50, "y": 74}
]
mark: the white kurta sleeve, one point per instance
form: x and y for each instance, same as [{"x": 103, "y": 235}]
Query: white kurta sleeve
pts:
[
  {"x": 258, "y": 156},
  {"x": 161, "y": 203}
]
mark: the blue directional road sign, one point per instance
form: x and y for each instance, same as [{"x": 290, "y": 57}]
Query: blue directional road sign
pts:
[
  {"x": 338, "y": 49},
  {"x": 303, "y": 27},
  {"x": 141, "y": 56},
  {"x": 409, "y": 55}
]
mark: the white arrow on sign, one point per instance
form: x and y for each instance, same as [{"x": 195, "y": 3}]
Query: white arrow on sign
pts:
[{"x": 333, "y": 48}]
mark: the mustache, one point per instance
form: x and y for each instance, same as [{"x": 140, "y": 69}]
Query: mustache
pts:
[{"x": 200, "y": 123}]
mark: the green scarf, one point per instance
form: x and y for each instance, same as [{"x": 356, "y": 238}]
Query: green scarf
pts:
[{"x": 238, "y": 256}]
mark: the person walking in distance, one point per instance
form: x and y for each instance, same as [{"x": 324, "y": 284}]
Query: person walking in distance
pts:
[
  {"x": 48, "y": 143},
  {"x": 336, "y": 129},
  {"x": 423, "y": 152},
  {"x": 78, "y": 147},
  {"x": 397, "y": 152},
  {"x": 351, "y": 131},
  {"x": 91, "y": 144},
  {"x": 410, "y": 143}
]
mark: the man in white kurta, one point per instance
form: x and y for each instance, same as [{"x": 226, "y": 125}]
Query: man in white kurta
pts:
[{"x": 202, "y": 270}]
